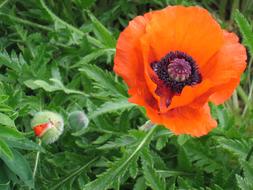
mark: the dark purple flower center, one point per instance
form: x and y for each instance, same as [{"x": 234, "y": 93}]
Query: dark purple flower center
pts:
[{"x": 177, "y": 70}]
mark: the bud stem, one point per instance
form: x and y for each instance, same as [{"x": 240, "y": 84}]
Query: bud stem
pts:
[{"x": 36, "y": 161}]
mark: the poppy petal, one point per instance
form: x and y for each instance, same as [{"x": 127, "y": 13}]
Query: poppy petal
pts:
[
  {"x": 226, "y": 68},
  {"x": 187, "y": 120},
  {"x": 176, "y": 28},
  {"x": 128, "y": 62},
  {"x": 224, "y": 92}
]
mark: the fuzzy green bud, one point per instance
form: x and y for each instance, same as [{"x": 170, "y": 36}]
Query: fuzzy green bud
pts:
[
  {"x": 48, "y": 126},
  {"x": 78, "y": 120}
]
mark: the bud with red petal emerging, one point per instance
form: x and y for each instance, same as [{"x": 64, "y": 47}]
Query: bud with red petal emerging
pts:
[{"x": 48, "y": 126}]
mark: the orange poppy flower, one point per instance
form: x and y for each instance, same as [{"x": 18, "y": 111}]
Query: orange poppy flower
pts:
[{"x": 174, "y": 62}]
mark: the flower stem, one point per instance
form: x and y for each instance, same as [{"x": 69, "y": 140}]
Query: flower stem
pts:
[
  {"x": 36, "y": 161},
  {"x": 26, "y": 22}
]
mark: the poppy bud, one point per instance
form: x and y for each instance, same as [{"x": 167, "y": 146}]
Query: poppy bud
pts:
[
  {"x": 48, "y": 126},
  {"x": 78, "y": 120}
]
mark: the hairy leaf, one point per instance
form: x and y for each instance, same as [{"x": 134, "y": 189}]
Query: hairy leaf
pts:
[
  {"x": 20, "y": 166},
  {"x": 4, "y": 149},
  {"x": 245, "y": 29},
  {"x": 120, "y": 167},
  {"x": 103, "y": 79},
  {"x": 109, "y": 107}
]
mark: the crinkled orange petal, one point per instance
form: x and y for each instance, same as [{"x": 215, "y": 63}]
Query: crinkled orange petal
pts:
[
  {"x": 224, "y": 92},
  {"x": 226, "y": 68},
  {"x": 128, "y": 62},
  {"x": 187, "y": 120}
]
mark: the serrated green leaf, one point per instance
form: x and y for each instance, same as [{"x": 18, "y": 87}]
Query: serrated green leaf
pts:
[
  {"x": 102, "y": 139},
  {"x": 133, "y": 169},
  {"x": 4, "y": 149},
  {"x": 103, "y": 79},
  {"x": 24, "y": 144},
  {"x": 5, "y": 120},
  {"x": 7, "y": 132},
  {"x": 55, "y": 86},
  {"x": 239, "y": 148},
  {"x": 183, "y": 183},
  {"x": 140, "y": 184},
  {"x": 101, "y": 31},
  {"x": 12, "y": 61},
  {"x": 182, "y": 139},
  {"x": 20, "y": 167},
  {"x": 173, "y": 173},
  {"x": 243, "y": 184},
  {"x": 118, "y": 142},
  {"x": 58, "y": 20},
  {"x": 152, "y": 177},
  {"x": 118, "y": 169},
  {"x": 247, "y": 171},
  {"x": 245, "y": 29},
  {"x": 161, "y": 142},
  {"x": 93, "y": 56},
  {"x": 183, "y": 160},
  {"x": 72, "y": 175},
  {"x": 109, "y": 107},
  {"x": 201, "y": 157}
]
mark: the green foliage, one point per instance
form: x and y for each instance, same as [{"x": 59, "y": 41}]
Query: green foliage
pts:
[
  {"x": 118, "y": 169},
  {"x": 239, "y": 148},
  {"x": 104, "y": 35},
  {"x": 111, "y": 107},
  {"x": 8, "y": 132},
  {"x": 246, "y": 30},
  {"x": 58, "y": 56},
  {"x": 103, "y": 80},
  {"x": 245, "y": 183},
  {"x": 19, "y": 166},
  {"x": 5, "y": 120},
  {"x": 55, "y": 86},
  {"x": 4, "y": 148},
  {"x": 152, "y": 177}
]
